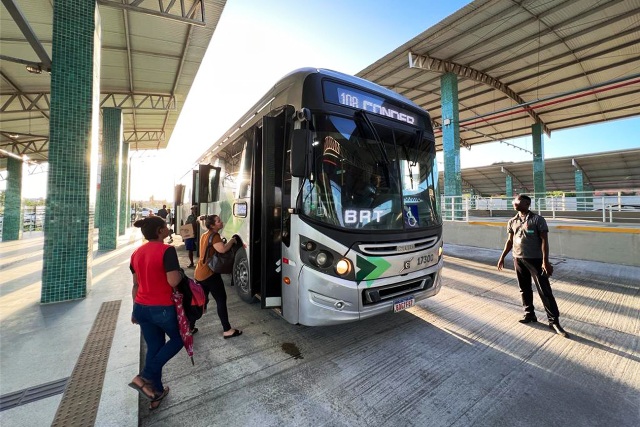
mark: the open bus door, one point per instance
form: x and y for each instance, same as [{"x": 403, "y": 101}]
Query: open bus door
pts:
[{"x": 269, "y": 167}]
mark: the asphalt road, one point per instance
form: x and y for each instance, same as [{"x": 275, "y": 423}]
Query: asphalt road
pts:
[{"x": 457, "y": 359}]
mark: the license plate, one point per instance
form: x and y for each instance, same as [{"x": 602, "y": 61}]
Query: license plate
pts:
[{"x": 403, "y": 303}]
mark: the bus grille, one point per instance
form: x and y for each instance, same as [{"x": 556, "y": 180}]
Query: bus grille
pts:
[
  {"x": 390, "y": 292},
  {"x": 394, "y": 248}
]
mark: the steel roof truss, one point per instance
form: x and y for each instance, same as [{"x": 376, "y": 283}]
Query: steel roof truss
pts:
[
  {"x": 139, "y": 101},
  {"x": 41, "y": 101},
  {"x": 191, "y": 11},
  {"x": 144, "y": 136}
]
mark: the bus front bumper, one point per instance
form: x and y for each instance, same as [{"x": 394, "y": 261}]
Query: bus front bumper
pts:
[{"x": 328, "y": 300}]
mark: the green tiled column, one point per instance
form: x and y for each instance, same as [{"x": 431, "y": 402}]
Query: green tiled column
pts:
[
  {"x": 12, "y": 222},
  {"x": 110, "y": 180},
  {"x": 451, "y": 143},
  {"x": 73, "y": 137},
  {"x": 539, "y": 188},
  {"x": 579, "y": 180},
  {"x": 125, "y": 211},
  {"x": 96, "y": 222},
  {"x": 509, "y": 186}
]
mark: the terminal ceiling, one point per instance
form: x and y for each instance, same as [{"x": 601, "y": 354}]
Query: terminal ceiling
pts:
[
  {"x": 150, "y": 55},
  {"x": 614, "y": 170},
  {"x": 563, "y": 63}
]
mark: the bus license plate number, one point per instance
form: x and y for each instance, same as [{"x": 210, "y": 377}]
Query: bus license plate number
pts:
[{"x": 403, "y": 304}]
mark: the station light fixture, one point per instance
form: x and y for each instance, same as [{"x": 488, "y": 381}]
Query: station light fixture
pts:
[{"x": 34, "y": 69}]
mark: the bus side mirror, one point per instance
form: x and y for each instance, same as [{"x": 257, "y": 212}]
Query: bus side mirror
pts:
[{"x": 300, "y": 155}]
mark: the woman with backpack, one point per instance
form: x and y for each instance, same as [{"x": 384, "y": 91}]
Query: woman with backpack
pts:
[
  {"x": 210, "y": 243},
  {"x": 155, "y": 268}
]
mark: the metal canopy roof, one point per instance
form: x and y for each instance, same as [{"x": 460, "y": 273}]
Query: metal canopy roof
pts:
[
  {"x": 614, "y": 170},
  {"x": 564, "y": 63},
  {"x": 151, "y": 52}
]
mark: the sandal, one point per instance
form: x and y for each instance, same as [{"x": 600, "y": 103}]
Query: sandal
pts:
[
  {"x": 155, "y": 403},
  {"x": 236, "y": 333},
  {"x": 146, "y": 389}
]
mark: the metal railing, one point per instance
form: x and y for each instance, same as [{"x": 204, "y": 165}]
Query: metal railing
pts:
[{"x": 588, "y": 207}]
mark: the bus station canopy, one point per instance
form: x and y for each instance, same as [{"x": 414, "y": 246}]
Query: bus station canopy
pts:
[
  {"x": 562, "y": 63},
  {"x": 614, "y": 170},
  {"x": 150, "y": 54}
]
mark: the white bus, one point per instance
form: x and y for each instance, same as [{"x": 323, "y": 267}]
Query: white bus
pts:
[{"x": 330, "y": 182}]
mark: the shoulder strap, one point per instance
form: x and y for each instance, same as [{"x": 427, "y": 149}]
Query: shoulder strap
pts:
[{"x": 210, "y": 242}]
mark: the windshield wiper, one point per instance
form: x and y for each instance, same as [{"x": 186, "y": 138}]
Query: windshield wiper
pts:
[
  {"x": 361, "y": 114},
  {"x": 410, "y": 163}
]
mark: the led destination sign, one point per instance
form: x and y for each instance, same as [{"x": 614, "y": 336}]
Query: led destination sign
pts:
[{"x": 344, "y": 95}]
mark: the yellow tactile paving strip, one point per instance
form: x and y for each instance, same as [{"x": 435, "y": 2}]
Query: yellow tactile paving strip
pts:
[{"x": 81, "y": 398}]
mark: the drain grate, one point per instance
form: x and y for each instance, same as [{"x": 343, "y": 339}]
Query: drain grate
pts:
[
  {"x": 28, "y": 395},
  {"x": 79, "y": 405}
]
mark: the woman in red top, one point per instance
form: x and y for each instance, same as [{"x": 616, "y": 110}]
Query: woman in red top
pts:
[
  {"x": 155, "y": 269},
  {"x": 210, "y": 281}
]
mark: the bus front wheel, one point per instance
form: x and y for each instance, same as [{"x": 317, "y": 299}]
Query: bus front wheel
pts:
[{"x": 242, "y": 277}]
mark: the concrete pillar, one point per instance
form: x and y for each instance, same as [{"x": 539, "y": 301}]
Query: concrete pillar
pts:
[
  {"x": 451, "y": 143},
  {"x": 110, "y": 181},
  {"x": 509, "y": 186},
  {"x": 12, "y": 221},
  {"x": 73, "y": 130},
  {"x": 125, "y": 211},
  {"x": 539, "y": 187}
]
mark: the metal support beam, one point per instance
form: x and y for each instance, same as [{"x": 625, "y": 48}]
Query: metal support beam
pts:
[
  {"x": 576, "y": 165},
  {"x": 426, "y": 62},
  {"x": 28, "y": 33},
  {"x": 515, "y": 178}
]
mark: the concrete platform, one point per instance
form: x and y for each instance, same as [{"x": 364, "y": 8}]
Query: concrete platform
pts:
[{"x": 458, "y": 359}]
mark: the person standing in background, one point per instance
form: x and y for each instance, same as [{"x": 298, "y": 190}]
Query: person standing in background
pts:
[
  {"x": 169, "y": 221},
  {"x": 162, "y": 213},
  {"x": 190, "y": 244}
]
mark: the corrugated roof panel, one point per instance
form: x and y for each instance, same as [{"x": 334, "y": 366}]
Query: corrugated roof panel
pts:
[{"x": 156, "y": 47}]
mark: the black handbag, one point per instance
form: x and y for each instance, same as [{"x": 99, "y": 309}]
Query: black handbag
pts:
[{"x": 221, "y": 263}]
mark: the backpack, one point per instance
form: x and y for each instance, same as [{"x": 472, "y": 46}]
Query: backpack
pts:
[
  {"x": 198, "y": 297},
  {"x": 194, "y": 299}
]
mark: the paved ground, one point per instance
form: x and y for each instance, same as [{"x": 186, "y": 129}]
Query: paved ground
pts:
[{"x": 458, "y": 359}]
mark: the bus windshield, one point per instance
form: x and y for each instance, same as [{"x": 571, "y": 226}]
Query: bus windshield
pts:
[{"x": 371, "y": 176}]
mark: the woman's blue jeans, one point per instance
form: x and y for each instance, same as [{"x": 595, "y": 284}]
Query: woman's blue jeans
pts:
[{"x": 156, "y": 321}]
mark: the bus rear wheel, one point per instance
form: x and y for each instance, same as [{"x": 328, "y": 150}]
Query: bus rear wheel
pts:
[{"x": 242, "y": 277}]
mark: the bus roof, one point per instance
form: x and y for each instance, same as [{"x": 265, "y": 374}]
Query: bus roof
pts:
[{"x": 298, "y": 76}]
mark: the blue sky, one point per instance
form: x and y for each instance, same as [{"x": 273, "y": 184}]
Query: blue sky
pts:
[{"x": 257, "y": 42}]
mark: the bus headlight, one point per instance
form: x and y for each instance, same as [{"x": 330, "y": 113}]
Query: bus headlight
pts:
[
  {"x": 323, "y": 259},
  {"x": 343, "y": 267}
]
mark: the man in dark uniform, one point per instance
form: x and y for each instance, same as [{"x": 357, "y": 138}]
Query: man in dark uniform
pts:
[
  {"x": 163, "y": 212},
  {"x": 527, "y": 236}
]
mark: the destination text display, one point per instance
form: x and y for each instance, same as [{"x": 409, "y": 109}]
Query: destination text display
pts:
[{"x": 360, "y": 100}]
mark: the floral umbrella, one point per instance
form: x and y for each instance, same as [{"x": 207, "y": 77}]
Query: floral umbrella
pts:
[{"x": 183, "y": 324}]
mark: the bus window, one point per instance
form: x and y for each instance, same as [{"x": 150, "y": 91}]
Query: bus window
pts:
[{"x": 246, "y": 164}]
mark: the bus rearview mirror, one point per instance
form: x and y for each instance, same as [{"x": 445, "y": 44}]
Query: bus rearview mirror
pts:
[{"x": 300, "y": 146}]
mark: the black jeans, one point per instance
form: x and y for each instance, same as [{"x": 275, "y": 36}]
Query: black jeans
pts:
[
  {"x": 215, "y": 286},
  {"x": 526, "y": 269}
]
